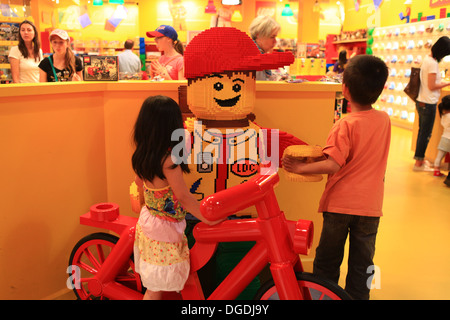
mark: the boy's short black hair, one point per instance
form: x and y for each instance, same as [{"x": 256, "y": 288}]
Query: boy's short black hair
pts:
[{"x": 365, "y": 77}]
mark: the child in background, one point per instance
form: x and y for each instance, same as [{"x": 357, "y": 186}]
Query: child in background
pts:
[
  {"x": 356, "y": 158},
  {"x": 444, "y": 144},
  {"x": 170, "y": 66},
  {"x": 161, "y": 252}
]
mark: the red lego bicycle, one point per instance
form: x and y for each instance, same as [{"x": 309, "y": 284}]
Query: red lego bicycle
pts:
[{"x": 101, "y": 265}]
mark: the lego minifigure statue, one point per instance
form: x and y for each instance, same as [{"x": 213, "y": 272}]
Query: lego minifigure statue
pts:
[{"x": 227, "y": 147}]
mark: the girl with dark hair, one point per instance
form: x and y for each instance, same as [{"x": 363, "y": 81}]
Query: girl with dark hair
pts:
[
  {"x": 161, "y": 253},
  {"x": 429, "y": 94},
  {"x": 25, "y": 57},
  {"x": 338, "y": 69}
]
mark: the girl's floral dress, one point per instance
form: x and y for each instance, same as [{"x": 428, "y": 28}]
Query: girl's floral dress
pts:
[{"x": 161, "y": 252}]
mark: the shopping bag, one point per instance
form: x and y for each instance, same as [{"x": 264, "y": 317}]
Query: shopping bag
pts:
[{"x": 412, "y": 88}]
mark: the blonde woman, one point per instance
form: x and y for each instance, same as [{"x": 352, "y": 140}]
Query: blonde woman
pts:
[
  {"x": 25, "y": 58},
  {"x": 170, "y": 66},
  {"x": 264, "y": 31},
  {"x": 63, "y": 65}
]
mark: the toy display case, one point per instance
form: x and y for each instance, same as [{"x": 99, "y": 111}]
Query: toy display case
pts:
[
  {"x": 352, "y": 41},
  {"x": 5, "y": 68},
  {"x": 100, "y": 68},
  {"x": 9, "y": 36},
  {"x": 402, "y": 47}
]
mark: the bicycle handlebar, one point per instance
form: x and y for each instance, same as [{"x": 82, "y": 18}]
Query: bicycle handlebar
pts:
[{"x": 237, "y": 198}]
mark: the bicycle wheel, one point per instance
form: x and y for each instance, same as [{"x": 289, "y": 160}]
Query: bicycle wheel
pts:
[
  {"x": 311, "y": 286},
  {"x": 86, "y": 259}
]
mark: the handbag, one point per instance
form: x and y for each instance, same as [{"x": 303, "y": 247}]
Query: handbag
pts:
[{"x": 412, "y": 88}]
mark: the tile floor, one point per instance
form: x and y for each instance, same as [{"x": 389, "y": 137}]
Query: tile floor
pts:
[{"x": 413, "y": 242}]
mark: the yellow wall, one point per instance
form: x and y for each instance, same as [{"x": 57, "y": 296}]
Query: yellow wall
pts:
[
  {"x": 154, "y": 13},
  {"x": 306, "y": 25},
  {"x": 387, "y": 15},
  {"x": 147, "y": 16}
]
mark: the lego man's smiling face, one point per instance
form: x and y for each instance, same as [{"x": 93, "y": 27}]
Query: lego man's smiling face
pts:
[{"x": 222, "y": 96}]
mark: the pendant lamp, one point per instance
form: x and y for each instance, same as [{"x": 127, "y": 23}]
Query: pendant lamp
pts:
[
  {"x": 98, "y": 2},
  {"x": 236, "y": 17},
  {"x": 116, "y": 1},
  {"x": 210, "y": 7},
  {"x": 287, "y": 11}
]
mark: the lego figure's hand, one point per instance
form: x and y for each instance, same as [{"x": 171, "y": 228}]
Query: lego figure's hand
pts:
[{"x": 297, "y": 161}]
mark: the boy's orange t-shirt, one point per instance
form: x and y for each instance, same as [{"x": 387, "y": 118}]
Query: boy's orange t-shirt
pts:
[{"x": 359, "y": 143}]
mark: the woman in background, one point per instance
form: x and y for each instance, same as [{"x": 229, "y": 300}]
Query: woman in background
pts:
[
  {"x": 25, "y": 58},
  {"x": 264, "y": 31}
]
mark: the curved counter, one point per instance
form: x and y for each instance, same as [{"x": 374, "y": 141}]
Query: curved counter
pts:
[{"x": 67, "y": 146}]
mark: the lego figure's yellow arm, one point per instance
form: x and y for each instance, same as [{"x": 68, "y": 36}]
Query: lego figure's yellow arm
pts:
[{"x": 137, "y": 195}]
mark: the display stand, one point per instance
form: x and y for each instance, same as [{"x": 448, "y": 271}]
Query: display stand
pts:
[
  {"x": 402, "y": 47},
  {"x": 9, "y": 33}
]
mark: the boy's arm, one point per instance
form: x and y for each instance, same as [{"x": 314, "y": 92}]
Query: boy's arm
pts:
[{"x": 327, "y": 166}]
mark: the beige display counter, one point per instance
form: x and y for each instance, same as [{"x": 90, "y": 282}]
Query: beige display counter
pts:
[{"x": 67, "y": 146}]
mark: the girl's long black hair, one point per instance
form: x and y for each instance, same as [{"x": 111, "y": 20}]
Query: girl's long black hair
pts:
[{"x": 158, "y": 118}]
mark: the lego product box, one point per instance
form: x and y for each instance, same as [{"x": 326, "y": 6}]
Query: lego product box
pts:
[
  {"x": 9, "y": 31},
  {"x": 100, "y": 68}
]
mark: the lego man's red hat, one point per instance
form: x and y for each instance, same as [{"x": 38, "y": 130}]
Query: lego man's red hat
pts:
[{"x": 221, "y": 49}]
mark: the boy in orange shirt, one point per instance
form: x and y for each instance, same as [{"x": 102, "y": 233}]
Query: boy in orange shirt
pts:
[{"x": 356, "y": 157}]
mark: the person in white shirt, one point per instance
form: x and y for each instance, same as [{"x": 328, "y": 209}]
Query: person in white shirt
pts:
[
  {"x": 429, "y": 94},
  {"x": 25, "y": 58},
  {"x": 129, "y": 62}
]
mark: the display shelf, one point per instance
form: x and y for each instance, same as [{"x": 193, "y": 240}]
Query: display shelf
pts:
[
  {"x": 402, "y": 47},
  {"x": 14, "y": 19},
  {"x": 8, "y": 43},
  {"x": 8, "y": 38},
  {"x": 333, "y": 47},
  {"x": 102, "y": 47},
  {"x": 350, "y": 41}
]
